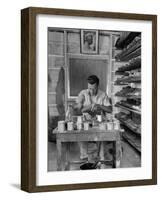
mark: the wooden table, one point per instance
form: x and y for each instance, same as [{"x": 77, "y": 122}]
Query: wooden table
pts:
[{"x": 93, "y": 134}]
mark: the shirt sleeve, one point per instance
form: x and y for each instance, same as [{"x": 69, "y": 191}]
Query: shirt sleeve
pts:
[
  {"x": 106, "y": 101},
  {"x": 80, "y": 98}
]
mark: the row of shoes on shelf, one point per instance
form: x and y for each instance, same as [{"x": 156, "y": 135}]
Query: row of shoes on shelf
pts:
[
  {"x": 132, "y": 76},
  {"x": 132, "y": 64},
  {"x": 133, "y": 139},
  {"x": 126, "y": 120},
  {"x": 135, "y": 44},
  {"x": 129, "y": 92},
  {"x": 132, "y": 55},
  {"x": 126, "y": 37},
  {"x": 130, "y": 103}
]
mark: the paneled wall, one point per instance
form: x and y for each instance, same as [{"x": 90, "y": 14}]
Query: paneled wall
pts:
[{"x": 56, "y": 76}]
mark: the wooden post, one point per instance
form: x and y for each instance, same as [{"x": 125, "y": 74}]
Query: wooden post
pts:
[
  {"x": 67, "y": 161},
  {"x": 101, "y": 153},
  {"x": 59, "y": 156},
  {"x": 114, "y": 153},
  {"x": 66, "y": 70},
  {"x": 117, "y": 153}
]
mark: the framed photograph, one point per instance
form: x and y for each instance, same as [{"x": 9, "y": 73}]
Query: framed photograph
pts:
[
  {"x": 88, "y": 99},
  {"x": 89, "y": 41}
]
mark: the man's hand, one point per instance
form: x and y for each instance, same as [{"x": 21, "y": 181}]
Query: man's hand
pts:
[
  {"x": 87, "y": 108},
  {"x": 99, "y": 108}
]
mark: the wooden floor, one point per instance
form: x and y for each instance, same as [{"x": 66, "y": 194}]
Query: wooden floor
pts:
[{"x": 130, "y": 158}]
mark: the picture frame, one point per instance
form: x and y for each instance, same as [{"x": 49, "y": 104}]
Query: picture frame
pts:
[
  {"x": 30, "y": 116},
  {"x": 89, "y": 41}
]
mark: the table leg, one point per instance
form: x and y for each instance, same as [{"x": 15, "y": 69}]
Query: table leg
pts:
[
  {"x": 59, "y": 155},
  {"x": 113, "y": 153},
  {"x": 102, "y": 158},
  {"x": 67, "y": 161},
  {"x": 117, "y": 156}
]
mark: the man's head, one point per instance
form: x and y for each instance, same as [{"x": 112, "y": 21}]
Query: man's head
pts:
[
  {"x": 89, "y": 38},
  {"x": 93, "y": 82}
]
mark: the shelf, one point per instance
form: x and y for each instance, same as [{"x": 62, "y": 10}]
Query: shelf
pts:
[
  {"x": 128, "y": 51},
  {"x": 128, "y": 80},
  {"x": 131, "y": 57},
  {"x": 133, "y": 144},
  {"x": 129, "y": 97},
  {"x": 120, "y": 73},
  {"x": 135, "y": 64},
  {"x": 127, "y": 125},
  {"x": 120, "y": 84},
  {"x": 133, "y": 54},
  {"x": 129, "y": 109},
  {"x": 125, "y": 39}
]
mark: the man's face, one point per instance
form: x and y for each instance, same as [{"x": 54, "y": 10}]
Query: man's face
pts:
[
  {"x": 92, "y": 88},
  {"x": 89, "y": 39}
]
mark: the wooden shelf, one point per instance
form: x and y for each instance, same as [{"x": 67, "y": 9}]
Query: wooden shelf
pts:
[
  {"x": 135, "y": 64},
  {"x": 127, "y": 125},
  {"x": 129, "y": 109},
  {"x": 128, "y": 80},
  {"x": 120, "y": 84},
  {"x": 129, "y": 97},
  {"x": 123, "y": 41},
  {"x": 132, "y": 143},
  {"x": 128, "y": 51},
  {"x": 133, "y": 54}
]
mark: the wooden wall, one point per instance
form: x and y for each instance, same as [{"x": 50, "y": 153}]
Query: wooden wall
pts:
[{"x": 56, "y": 77}]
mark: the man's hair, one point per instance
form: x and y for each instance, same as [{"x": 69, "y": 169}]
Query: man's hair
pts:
[{"x": 93, "y": 79}]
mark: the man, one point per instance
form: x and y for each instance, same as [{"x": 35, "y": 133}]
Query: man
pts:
[{"x": 92, "y": 101}]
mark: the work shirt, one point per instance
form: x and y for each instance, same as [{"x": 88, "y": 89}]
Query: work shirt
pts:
[{"x": 86, "y": 99}]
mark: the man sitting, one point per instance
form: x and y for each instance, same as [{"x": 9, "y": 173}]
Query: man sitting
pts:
[{"x": 92, "y": 101}]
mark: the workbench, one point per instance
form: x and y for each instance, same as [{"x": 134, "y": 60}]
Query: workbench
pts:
[{"x": 91, "y": 135}]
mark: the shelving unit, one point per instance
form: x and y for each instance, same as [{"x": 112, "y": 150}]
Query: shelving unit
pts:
[{"x": 127, "y": 65}]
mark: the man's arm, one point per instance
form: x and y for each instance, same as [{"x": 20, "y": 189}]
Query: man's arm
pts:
[
  {"x": 79, "y": 108},
  {"x": 86, "y": 108},
  {"x": 98, "y": 107},
  {"x": 105, "y": 106},
  {"x": 79, "y": 104}
]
